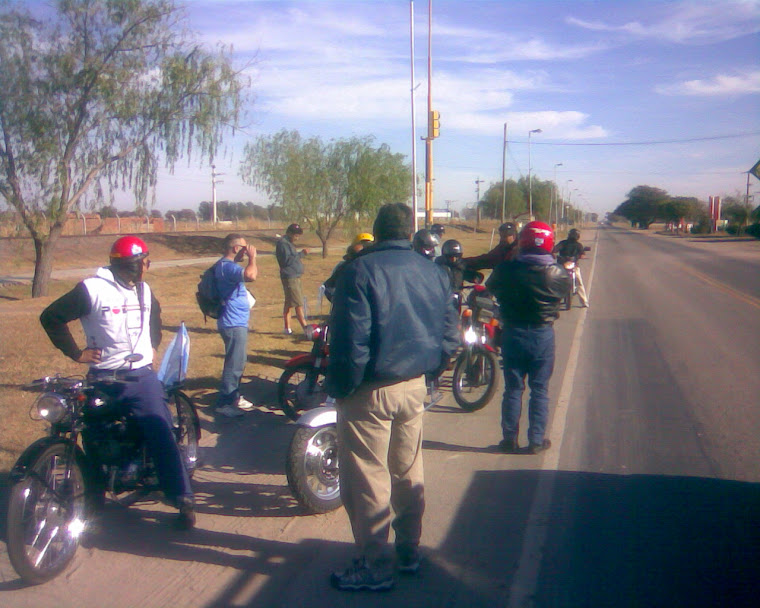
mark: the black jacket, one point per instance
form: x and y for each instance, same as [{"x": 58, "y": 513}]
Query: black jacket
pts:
[
  {"x": 569, "y": 250},
  {"x": 393, "y": 319},
  {"x": 501, "y": 253},
  {"x": 529, "y": 289}
]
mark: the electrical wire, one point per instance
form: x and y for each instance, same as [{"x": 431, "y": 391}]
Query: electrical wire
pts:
[{"x": 640, "y": 143}]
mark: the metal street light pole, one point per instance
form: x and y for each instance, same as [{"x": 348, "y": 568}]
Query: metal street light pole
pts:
[
  {"x": 504, "y": 176},
  {"x": 530, "y": 179},
  {"x": 554, "y": 194},
  {"x": 414, "y": 118}
]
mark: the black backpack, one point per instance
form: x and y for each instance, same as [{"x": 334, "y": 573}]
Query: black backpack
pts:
[{"x": 209, "y": 300}]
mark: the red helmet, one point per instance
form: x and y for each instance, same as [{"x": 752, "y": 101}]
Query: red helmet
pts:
[
  {"x": 128, "y": 248},
  {"x": 537, "y": 235}
]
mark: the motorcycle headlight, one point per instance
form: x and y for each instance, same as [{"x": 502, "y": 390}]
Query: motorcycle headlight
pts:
[
  {"x": 51, "y": 407},
  {"x": 470, "y": 336}
]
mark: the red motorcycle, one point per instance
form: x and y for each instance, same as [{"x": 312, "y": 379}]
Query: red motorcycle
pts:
[
  {"x": 475, "y": 371},
  {"x": 301, "y": 385}
]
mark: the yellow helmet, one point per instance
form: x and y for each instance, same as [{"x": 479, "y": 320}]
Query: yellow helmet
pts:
[{"x": 363, "y": 237}]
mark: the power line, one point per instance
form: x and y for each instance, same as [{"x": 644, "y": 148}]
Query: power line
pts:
[{"x": 644, "y": 143}]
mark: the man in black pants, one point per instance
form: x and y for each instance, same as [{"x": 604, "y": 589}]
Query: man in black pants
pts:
[{"x": 121, "y": 316}]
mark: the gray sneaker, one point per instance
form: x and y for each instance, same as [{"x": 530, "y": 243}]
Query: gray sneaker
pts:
[{"x": 359, "y": 576}]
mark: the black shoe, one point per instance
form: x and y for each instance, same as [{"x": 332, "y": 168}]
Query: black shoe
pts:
[
  {"x": 186, "y": 517},
  {"x": 408, "y": 559},
  {"x": 537, "y": 448},
  {"x": 509, "y": 446}
]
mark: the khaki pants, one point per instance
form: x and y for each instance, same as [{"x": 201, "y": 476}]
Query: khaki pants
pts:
[{"x": 380, "y": 438}]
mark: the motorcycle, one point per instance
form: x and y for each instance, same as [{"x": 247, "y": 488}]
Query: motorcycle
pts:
[
  {"x": 301, "y": 385},
  {"x": 92, "y": 448},
  {"x": 475, "y": 371},
  {"x": 312, "y": 463},
  {"x": 570, "y": 265}
]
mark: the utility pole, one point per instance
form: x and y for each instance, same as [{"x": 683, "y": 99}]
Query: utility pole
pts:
[
  {"x": 504, "y": 176},
  {"x": 214, "y": 182},
  {"x": 477, "y": 201}
]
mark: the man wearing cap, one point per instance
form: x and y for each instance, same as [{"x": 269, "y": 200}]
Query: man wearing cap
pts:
[
  {"x": 505, "y": 250},
  {"x": 362, "y": 240},
  {"x": 291, "y": 269}
]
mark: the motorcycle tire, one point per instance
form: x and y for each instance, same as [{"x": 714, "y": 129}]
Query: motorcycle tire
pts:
[
  {"x": 474, "y": 380},
  {"x": 294, "y": 394},
  {"x": 312, "y": 468},
  {"x": 46, "y": 516},
  {"x": 186, "y": 427}
]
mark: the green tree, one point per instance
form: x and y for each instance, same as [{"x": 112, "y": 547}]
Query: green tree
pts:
[
  {"x": 515, "y": 203},
  {"x": 322, "y": 184},
  {"x": 737, "y": 212},
  {"x": 643, "y": 206},
  {"x": 680, "y": 208},
  {"x": 92, "y": 98}
]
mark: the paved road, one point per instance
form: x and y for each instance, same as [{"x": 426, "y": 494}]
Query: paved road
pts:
[{"x": 649, "y": 498}]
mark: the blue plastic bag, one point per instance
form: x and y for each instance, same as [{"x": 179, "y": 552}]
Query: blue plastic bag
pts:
[{"x": 173, "y": 370}]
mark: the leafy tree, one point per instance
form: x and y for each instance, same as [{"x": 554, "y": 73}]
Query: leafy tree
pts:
[
  {"x": 680, "y": 208},
  {"x": 737, "y": 212},
  {"x": 643, "y": 206},
  {"x": 91, "y": 96},
  {"x": 516, "y": 201},
  {"x": 323, "y": 183}
]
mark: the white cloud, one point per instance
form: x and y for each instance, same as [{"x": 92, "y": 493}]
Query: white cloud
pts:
[
  {"x": 719, "y": 85},
  {"x": 690, "y": 23}
]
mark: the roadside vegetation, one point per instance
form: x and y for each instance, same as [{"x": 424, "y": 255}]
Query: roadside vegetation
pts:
[{"x": 26, "y": 352}]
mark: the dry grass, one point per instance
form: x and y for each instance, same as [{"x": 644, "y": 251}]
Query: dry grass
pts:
[{"x": 26, "y": 353}]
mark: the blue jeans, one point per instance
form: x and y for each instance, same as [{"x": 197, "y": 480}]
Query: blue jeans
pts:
[
  {"x": 235, "y": 355},
  {"x": 527, "y": 351}
]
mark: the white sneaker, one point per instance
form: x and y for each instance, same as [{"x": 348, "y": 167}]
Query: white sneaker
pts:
[
  {"x": 244, "y": 404},
  {"x": 288, "y": 331},
  {"x": 230, "y": 411}
]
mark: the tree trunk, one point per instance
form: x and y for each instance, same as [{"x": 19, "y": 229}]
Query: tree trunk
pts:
[
  {"x": 43, "y": 262},
  {"x": 324, "y": 247}
]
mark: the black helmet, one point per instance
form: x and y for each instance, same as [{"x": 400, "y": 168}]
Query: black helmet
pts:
[
  {"x": 508, "y": 228},
  {"x": 424, "y": 242},
  {"x": 438, "y": 230},
  {"x": 452, "y": 249},
  {"x": 574, "y": 234}
]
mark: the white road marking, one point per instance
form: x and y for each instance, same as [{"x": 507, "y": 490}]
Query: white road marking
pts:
[{"x": 525, "y": 580}]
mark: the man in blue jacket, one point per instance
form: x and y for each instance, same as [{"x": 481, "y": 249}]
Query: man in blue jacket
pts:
[{"x": 393, "y": 320}]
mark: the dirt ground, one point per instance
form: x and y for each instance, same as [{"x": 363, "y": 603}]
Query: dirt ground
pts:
[{"x": 26, "y": 353}]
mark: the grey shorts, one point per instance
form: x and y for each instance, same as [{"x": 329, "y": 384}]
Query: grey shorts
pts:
[{"x": 293, "y": 292}]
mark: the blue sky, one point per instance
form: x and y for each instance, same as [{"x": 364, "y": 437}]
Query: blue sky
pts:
[{"x": 590, "y": 75}]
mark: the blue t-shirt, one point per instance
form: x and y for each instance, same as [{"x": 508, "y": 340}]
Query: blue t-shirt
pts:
[{"x": 231, "y": 286}]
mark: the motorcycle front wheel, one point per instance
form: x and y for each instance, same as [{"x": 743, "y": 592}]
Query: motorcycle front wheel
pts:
[
  {"x": 186, "y": 427},
  {"x": 474, "y": 380},
  {"x": 46, "y": 515},
  {"x": 312, "y": 468},
  {"x": 301, "y": 388}
]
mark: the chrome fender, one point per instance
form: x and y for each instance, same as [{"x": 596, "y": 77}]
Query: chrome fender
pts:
[{"x": 319, "y": 416}]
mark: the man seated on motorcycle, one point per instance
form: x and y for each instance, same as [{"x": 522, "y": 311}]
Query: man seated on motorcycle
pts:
[
  {"x": 120, "y": 317},
  {"x": 451, "y": 260},
  {"x": 571, "y": 250},
  {"x": 506, "y": 249}
]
